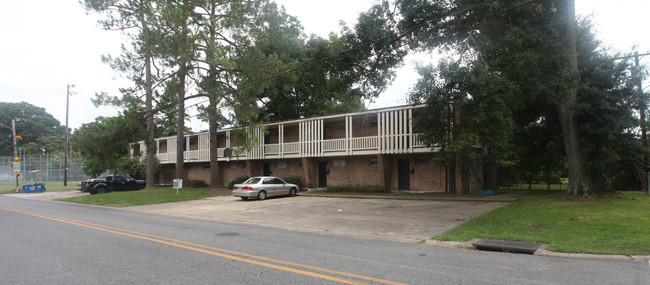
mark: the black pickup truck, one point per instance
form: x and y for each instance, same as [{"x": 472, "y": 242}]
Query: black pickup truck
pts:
[{"x": 111, "y": 183}]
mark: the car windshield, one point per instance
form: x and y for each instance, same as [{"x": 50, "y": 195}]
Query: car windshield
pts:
[{"x": 253, "y": 180}]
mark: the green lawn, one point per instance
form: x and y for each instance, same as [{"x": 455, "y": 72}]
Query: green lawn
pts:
[
  {"x": 145, "y": 197},
  {"x": 619, "y": 224},
  {"x": 50, "y": 186}
]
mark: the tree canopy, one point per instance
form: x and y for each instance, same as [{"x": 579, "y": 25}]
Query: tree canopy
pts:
[
  {"x": 34, "y": 124},
  {"x": 528, "y": 80}
]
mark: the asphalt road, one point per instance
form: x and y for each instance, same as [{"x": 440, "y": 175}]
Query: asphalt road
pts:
[{"x": 46, "y": 242}]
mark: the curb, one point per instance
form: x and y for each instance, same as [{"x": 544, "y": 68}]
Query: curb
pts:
[
  {"x": 543, "y": 252},
  {"x": 453, "y": 199}
]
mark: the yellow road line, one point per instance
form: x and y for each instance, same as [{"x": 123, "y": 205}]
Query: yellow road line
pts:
[{"x": 211, "y": 250}]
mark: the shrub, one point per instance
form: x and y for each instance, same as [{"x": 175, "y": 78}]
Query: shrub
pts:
[
  {"x": 237, "y": 180},
  {"x": 194, "y": 184},
  {"x": 294, "y": 180},
  {"x": 355, "y": 189}
]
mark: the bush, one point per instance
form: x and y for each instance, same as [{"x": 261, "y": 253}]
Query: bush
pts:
[
  {"x": 294, "y": 180},
  {"x": 355, "y": 189},
  {"x": 237, "y": 180},
  {"x": 194, "y": 184}
]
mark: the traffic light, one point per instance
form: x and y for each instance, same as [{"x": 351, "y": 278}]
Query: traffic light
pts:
[
  {"x": 16, "y": 159},
  {"x": 17, "y": 174},
  {"x": 19, "y": 138}
]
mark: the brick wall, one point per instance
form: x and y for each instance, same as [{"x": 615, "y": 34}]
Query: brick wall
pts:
[
  {"x": 291, "y": 134},
  {"x": 229, "y": 174},
  {"x": 361, "y": 127},
  {"x": 357, "y": 172},
  {"x": 425, "y": 178},
  {"x": 292, "y": 168}
]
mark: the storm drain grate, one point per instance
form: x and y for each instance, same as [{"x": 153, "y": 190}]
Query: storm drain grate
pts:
[{"x": 507, "y": 246}]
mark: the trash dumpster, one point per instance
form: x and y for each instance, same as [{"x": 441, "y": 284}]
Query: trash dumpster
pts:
[
  {"x": 41, "y": 184},
  {"x": 34, "y": 188}
]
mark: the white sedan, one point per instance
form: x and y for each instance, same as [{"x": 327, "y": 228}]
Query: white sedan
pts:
[{"x": 261, "y": 187}]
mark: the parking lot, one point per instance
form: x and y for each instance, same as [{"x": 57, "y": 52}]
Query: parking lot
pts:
[{"x": 403, "y": 220}]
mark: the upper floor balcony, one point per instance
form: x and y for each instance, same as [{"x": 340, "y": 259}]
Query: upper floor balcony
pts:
[{"x": 383, "y": 131}]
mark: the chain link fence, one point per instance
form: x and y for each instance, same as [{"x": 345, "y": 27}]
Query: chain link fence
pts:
[{"x": 42, "y": 168}]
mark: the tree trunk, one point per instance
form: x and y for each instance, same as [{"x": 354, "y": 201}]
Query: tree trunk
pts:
[
  {"x": 214, "y": 156},
  {"x": 580, "y": 182},
  {"x": 150, "y": 139},
  {"x": 180, "y": 125}
]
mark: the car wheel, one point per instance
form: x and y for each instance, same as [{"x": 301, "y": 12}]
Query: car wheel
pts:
[
  {"x": 100, "y": 190},
  {"x": 292, "y": 192},
  {"x": 244, "y": 198},
  {"x": 261, "y": 195}
]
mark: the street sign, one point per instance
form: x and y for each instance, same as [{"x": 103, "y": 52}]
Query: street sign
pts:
[
  {"x": 16, "y": 166},
  {"x": 178, "y": 184}
]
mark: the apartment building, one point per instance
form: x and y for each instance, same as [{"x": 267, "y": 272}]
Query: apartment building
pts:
[{"x": 370, "y": 148}]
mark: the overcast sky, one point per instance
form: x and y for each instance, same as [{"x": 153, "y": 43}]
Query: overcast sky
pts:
[{"x": 48, "y": 44}]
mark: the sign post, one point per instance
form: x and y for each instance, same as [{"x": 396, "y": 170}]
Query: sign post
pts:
[
  {"x": 178, "y": 184},
  {"x": 17, "y": 172}
]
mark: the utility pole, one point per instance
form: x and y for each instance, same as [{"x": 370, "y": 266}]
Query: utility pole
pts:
[
  {"x": 65, "y": 159},
  {"x": 16, "y": 162}
]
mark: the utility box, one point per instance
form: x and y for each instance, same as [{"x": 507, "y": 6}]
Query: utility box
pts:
[{"x": 34, "y": 188}]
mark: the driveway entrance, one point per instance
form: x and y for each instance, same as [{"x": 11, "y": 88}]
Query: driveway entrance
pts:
[{"x": 404, "y": 220}]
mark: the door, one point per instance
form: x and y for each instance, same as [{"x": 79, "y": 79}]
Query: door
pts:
[
  {"x": 267, "y": 169},
  {"x": 270, "y": 186},
  {"x": 404, "y": 174},
  {"x": 322, "y": 174}
]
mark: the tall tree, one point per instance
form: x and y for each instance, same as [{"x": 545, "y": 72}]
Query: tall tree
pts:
[
  {"x": 224, "y": 28},
  {"x": 125, "y": 15},
  {"x": 176, "y": 43},
  {"x": 533, "y": 47}
]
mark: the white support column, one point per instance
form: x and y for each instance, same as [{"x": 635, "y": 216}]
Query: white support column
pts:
[
  {"x": 301, "y": 138},
  {"x": 391, "y": 131},
  {"x": 400, "y": 143},
  {"x": 319, "y": 145},
  {"x": 281, "y": 139},
  {"x": 382, "y": 131},
  {"x": 410, "y": 130},
  {"x": 310, "y": 138},
  {"x": 404, "y": 132},
  {"x": 348, "y": 134}
]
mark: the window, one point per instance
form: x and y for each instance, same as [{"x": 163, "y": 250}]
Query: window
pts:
[
  {"x": 232, "y": 166},
  {"x": 268, "y": 181},
  {"x": 422, "y": 161},
  {"x": 374, "y": 162},
  {"x": 338, "y": 163},
  {"x": 373, "y": 124},
  {"x": 243, "y": 165},
  {"x": 281, "y": 164}
]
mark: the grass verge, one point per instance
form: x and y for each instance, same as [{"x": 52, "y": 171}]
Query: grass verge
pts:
[
  {"x": 53, "y": 186},
  {"x": 617, "y": 224},
  {"x": 147, "y": 197}
]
